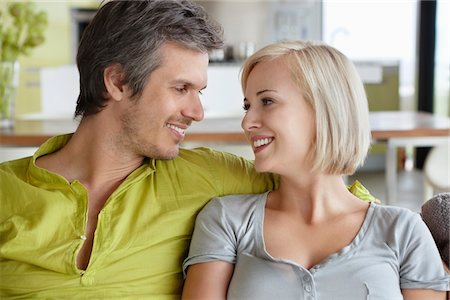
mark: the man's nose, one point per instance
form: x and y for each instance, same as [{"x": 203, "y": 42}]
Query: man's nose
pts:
[{"x": 194, "y": 109}]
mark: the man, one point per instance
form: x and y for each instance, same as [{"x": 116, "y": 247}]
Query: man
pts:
[{"x": 108, "y": 212}]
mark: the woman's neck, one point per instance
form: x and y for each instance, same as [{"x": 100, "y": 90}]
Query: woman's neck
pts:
[{"x": 313, "y": 198}]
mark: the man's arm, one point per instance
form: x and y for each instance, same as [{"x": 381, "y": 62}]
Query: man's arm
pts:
[{"x": 237, "y": 175}]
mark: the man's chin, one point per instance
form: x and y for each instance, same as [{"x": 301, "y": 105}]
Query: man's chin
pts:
[{"x": 168, "y": 155}]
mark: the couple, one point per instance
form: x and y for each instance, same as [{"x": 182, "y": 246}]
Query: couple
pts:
[{"x": 108, "y": 211}]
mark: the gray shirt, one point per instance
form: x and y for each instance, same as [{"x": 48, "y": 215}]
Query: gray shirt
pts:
[{"x": 393, "y": 250}]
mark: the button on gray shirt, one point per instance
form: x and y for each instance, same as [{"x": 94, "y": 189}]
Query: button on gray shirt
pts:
[{"x": 393, "y": 250}]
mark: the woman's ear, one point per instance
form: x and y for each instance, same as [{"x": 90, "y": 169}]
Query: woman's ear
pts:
[{"x": 113, "y": 78}]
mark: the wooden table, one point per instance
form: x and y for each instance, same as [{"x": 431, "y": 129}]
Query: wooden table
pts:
[
  {"x": 32, "y": 133},
  {"x": 402, "y": 129},
  {"x": 396, "y": 129}
]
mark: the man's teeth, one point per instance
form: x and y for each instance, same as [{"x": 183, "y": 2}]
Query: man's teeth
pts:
[
  {"x": 178, "y": 129},
  {"x": 262, "y": 142}
]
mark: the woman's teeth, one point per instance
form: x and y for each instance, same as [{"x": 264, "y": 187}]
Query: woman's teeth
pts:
[{"x": 262, "y": 142}]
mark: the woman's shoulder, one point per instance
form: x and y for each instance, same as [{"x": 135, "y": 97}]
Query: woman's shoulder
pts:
[
  {"x": 234, "y": 210},
  {"x": 235, "y": 204},
  {"x": 395, "y": 212},
  {"x": 395, "y": 219}
]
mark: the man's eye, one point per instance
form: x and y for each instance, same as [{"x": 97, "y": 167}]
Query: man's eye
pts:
[{"x": 181, "y": 89}]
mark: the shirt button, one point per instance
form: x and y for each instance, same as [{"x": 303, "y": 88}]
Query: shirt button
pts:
[
  {"x": 307, "y": 287},
  {"x": 306, "y": 278},
  {"x": 83, "y": 237}
]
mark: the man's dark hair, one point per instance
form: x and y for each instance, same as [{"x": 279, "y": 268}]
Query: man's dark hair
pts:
[{"x": 130, "y": 33}]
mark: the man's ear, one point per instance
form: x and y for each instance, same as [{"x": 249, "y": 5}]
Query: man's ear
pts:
[{"x": 113, "y": 78}]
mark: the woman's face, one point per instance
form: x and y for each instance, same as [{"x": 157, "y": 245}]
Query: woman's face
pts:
[{"x": 278, "y": 123}]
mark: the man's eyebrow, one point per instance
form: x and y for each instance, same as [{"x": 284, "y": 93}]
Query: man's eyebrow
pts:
[{"x": 185, "y": 82}]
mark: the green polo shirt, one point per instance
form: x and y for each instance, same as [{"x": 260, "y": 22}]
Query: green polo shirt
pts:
[{"x": 143, "y": 231}]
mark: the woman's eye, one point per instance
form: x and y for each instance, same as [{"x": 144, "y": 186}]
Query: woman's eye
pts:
[
  {"x": 267, "y": 101},
  {"x": 246, "y": 106}
]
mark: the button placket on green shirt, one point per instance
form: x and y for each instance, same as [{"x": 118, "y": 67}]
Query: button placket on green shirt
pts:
[{"x": 104, "y": 237}]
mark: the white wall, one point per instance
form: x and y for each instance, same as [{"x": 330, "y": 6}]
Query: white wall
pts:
[{"x": 10, "y": 153}]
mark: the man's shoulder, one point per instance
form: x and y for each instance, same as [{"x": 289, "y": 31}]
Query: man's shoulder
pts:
[
  {"x": 13, "y": 174},
  {"x": 211, "y": 157},
  {"x": 14, "y": 167},
  {"x": 205, "y": 151}
]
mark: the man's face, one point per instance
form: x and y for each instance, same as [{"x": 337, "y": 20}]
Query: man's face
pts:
[{"x": 155, "y": 124}]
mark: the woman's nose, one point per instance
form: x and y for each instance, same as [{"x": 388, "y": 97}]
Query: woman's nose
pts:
[{"x": 250, "y": 120}]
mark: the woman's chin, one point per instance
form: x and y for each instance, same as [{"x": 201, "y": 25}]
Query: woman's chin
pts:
[{"x": 261, "y": 168}]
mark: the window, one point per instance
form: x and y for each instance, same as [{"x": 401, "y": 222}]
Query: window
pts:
[{"x": 376, "y": 30}]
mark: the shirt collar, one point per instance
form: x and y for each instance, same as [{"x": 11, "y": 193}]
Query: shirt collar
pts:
[{"x": 57, "y": 142}]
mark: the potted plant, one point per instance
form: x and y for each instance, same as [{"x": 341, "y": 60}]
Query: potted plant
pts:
[{"x": 22, "y": 28}]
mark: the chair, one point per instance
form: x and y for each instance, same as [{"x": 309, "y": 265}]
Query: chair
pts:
[
  {"x": 435, "y": 213},
  {"x": 437, "y": 171}
]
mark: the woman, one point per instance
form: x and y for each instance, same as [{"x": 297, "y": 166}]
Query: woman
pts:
[{"x": 307, "y": 120}]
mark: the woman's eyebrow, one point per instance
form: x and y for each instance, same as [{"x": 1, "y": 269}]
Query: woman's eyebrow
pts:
[{"x": 263, "y": 91}]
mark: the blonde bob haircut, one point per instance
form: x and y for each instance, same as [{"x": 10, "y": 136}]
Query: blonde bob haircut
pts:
[{"x": 331, "y": 85}]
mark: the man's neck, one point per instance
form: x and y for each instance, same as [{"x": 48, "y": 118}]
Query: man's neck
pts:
[{"x": 91, "y": 157}]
